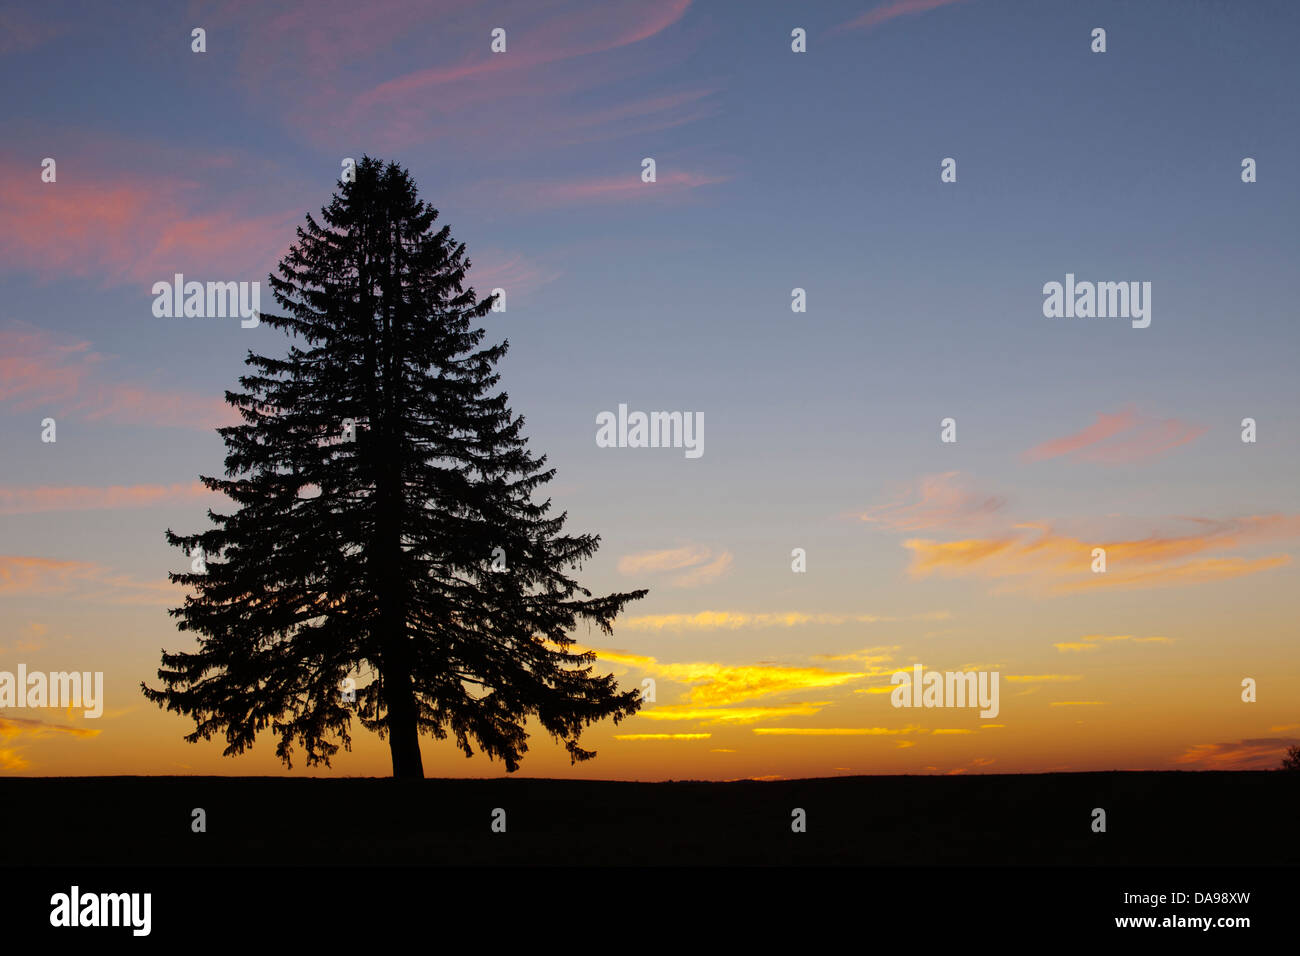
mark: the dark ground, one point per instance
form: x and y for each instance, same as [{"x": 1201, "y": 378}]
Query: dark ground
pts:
[{"x": 1152, "y": 818}]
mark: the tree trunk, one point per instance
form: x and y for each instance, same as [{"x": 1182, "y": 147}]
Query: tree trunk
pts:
[{"x": 403, "y": 734}]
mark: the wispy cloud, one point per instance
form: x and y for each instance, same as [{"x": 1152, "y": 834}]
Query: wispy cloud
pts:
[
  {"x": 20, "y": 30},
  {"x": 33, "y": 499},
  {"x": 717, "y": 684},
  {"x": 1094, "y": 641},
  {"x": 66, "y": 377},
  {"x": 1041, "y": 678},
  {"x": 1259, "y": 754},
  {"x": 888, "y": 11},
  {"x": 574, "y": 33},
  {"x": 936, "y": 501},
  {"x": 698, "y": 563},
  {"x": 516, "y": 273},
  {"x": 728, "y": 715},
  {"x": 624, "y": 187},
  {"x": 25, "y": 575},
  {"x": 20, "y": 728},
  {"x": 1123, "y": 437},
  {"x": 1034, "y": 554},
  {"x": 131, "y": 228},
  {"x": 832, "y": 731},
  {"x": 1078, "y": 703},
  {"x": 738, "y": 620},
  {"x": 340, "y": 75}
]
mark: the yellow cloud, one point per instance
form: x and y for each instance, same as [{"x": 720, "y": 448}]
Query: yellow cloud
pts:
[
  {"x": 662, "y": 736},
  {"x": 21, "y": 726},
  {"x": 832, "y": 731},
  {"x": 732, "y": 715},
  {"x": 1042, "y": 678},
  {"x": 1091, "y": 642},
  {"x": 721, "y": 684},
  {"x": 1078, "y": 703}
]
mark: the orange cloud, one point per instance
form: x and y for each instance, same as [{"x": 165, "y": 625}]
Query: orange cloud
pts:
[
  {"x": 1078, "y": 703},
  {"x": 26, "y": 575},
  {"x": 1120, "y": 438},
  {"x": 1041, "y": 678},
  {"x": 1035, "y": 554},
  {"x": 11, "y": 759},
  {"x": 669, "y": 560},
  {"x": 21, "y": 726},
  {"x": 1259, "y": 754},
  {"x": 1094, "y": 641},
  {"x": 20, "y": 574},
  {"x": 699, "y": 564},
  {"x": 832, "y": 731},
  {"x": 662, "y": 736},
  {"x": 727, "y": 715}
]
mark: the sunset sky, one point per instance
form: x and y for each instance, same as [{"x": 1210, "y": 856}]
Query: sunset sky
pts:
[{"x": 775, "y": 170}]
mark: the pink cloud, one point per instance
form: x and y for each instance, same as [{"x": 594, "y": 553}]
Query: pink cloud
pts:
[
  {"x": 517, "y": 274},
  {"x": 39, "y": 498},
  {"x": 21, "y": 31},
  {"x": 581, "y": 33},
  {"x": 129, "y": 227},
  {"x": 343, "y": 77},
  {"x": 629, "y": 186},
  {"x": 21, "y": 574},
  {"x": 1121, "y": 438},
  {"x": 889, "y": 11},
  {"x": 638, "y": 116},
  {"x": 27, "y": 575},
  {"x": 63, "y": 376},
  {"x": 937, "y": 501}
]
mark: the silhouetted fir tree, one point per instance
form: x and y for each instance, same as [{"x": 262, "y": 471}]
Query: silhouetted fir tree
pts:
[{"x": 375, "y": 474}]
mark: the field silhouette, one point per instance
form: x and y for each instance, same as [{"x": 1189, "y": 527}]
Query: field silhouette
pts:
[{"x": 1153, "y": 818}]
